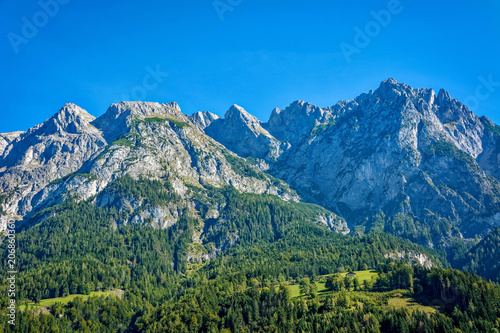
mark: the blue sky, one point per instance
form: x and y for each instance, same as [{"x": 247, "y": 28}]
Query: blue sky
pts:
[{"x": 208, "y": 55}]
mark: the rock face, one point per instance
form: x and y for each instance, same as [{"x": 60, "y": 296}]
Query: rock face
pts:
[
  {"x": 423, "y": 159},
  {"x": 489, "y": 158},
  {"x": 74, "y": 155},
  {"x": 334, "y": 222},
  {"x": 241, "y": 132},
  {"x": 46, "y": 152},
  {"x": 295, "y": 122},
  {"x": 407, "y": 161},
  {"x": 203, "y": 119},
  {"x": 6, "y": 139},
  {"x": 411, "y": 258}
]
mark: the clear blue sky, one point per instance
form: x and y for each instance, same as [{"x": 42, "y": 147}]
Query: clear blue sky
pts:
[{"x": 260, "y": 55}]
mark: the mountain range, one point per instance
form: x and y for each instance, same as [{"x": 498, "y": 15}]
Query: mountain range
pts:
[
  {"x": 149, "y": 220},
  {"x": 410, "y": 162}
]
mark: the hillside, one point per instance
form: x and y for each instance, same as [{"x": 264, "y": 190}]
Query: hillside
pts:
[
  {"x": 209, "y": 224},
  {"x": 483, "y": 258},
  {"x": 422, "y": 159}
]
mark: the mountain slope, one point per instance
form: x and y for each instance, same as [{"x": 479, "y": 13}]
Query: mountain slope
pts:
[
  {"x": 241, "y": 132},
  {"x": 422, "y": 159},
  {"x": 143, "y": 202},
  {"x": 6, "y": 139},
  {"x": 138, "y": 139},
  {"x": 482, "y": 259},
  {"x": 116, "y": 239},
  {"x": 425, "y": 160},
  {"x": 43, "y": 154},
  {"x": 489, "y": 158}
]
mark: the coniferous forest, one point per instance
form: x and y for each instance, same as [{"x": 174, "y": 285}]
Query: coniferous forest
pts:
[
  {"x": 263, "y": 278},
  {"x": 234, "y": 166}
]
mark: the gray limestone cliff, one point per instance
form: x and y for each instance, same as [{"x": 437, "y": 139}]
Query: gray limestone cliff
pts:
[
  {"x": 424, "y": 159},
  {"x": 243, "y": 133},
  {"x": 74, "y": 155},
  {"x": 44, "y": 153},
  {"x": 407, "y": 161}
]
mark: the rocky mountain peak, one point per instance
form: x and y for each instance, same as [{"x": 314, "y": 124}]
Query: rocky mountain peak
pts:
[
  {"x": 244, "y": 133},
  {"x": 301, "y": 108},
  {"x": 390, "y": 83},
  {"x": 458, "y": 119},
  {"x": 44, "y": 153},
  {"x": 203, "y": 119},
  {"x": 69, "y": 119},
  {"x": 443, "y": 97},
  {"x": 390, "y": 89},
  {"x": 237, "y": 111},
  {"x": 401, "y": 150},
  {"x": 295, "y": 120},
  {"x": 120, "y": 116},
  {"x": 141, "y": 109},
  {"x": 238, "y": 116},
  {"x": 388, "y": 149}
]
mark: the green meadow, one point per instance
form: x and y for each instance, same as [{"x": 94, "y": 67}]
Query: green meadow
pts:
[
  {"x": 320, "y": 285},
  {"x": 65, "y": 300},
  {"x": 396, "y": 299}
]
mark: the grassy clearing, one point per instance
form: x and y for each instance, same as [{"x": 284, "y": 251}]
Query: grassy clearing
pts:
[
  {"x": 161, "y": 120},
  {"x": 123, "y": 142},
  {"x": 394, "y": 299},
  {"x": 320, "y": 285},
  {"x": 295, "y": 291},
  {"x": 409, "y": 304},
  {"x": 65, "y": 300},
  {"x": 362, "y": 275},
  {"x": 318, "y": 129}
]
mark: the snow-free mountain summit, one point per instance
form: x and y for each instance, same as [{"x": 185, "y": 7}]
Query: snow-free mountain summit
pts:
[{"x": 411, "y": 162}]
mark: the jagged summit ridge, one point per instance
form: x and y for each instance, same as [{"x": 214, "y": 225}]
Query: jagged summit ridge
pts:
[
  {"x": 404, "y": 151},
  {"x": 203, "y": 119},
  {"x": 396, "y": 149},
  {"x": 69, "y": 119},
  {"x": 141, "y": 109},
  {"x": 295, "y": 120},
  {"x": 44, "y": 153},
  {"x": 237, "y": 117},
  {"x": 120, "y": 116},
  {"x": 78, "y": 156},
  {"x": 243, "y": 133}
]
